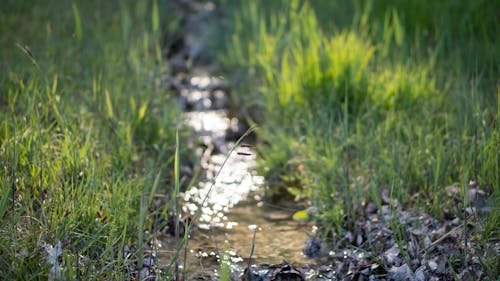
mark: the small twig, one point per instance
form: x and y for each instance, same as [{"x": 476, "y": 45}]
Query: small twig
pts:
[{"x": 446, "y": 235}]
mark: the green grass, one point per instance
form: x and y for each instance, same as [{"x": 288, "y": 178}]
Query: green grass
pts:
[
  {"x": 397, "y": 95},
  {"x": 353, "y": 97},
  {"x": 85, "y": 130}
]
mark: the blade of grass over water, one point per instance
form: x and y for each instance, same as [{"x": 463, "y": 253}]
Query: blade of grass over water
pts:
[
  {"x": 252, "y": 249},
  {"x": 188, "y": 226},
  {"x": 175, "y": 198}
]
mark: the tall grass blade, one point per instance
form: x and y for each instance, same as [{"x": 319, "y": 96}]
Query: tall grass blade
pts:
[
  {"x": 176, "y": 199},
  {"x": 155, "y": 17},
  {"x": 154, "y": 187},
  {"x": 109, "y": 104},
  {"x": 140, "y": 236},
  {"x": 78, "y": 22}
]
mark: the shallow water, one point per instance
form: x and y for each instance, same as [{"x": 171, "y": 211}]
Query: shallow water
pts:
[
  {"x": 229, "y": 198},
  {"x": 278, "y": 238}
]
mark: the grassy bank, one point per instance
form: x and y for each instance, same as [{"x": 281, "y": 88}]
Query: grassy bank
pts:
[
  {"x": 85, "y": 129},
  {"x": 357, "y": 97}
]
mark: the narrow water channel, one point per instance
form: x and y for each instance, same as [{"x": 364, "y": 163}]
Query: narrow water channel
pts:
[{"x": 229, "y": 193}]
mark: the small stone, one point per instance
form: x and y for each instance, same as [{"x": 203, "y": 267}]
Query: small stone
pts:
[
  {"x": 453, "y": 190},
  {"x": 441, "y": 262},
  {"x": 287, "y": 272},
  {"x": 349, "y": 237},
  {"x": 144, "y": 273},
  {"x": 370, "y": 208},
  {"x": 419, "y": 274},
  {"x": 148, "y": 261},
  {"x": 313, "y": 247},
  {"x": 433, "y": 265},
  {"x": 385, "y": 197},
  {"x": 359, "y": 239},
  {"x": 374, "y": 266},
  {"x": 391, "y": 256},
  {"x": 250, "y": 275},
  {"x": 470, "y": 210},
  {"x": 427, "y": 241},
  {"x": 473, "y": 184},
  {"x": 400, "y": 273},
  {"x": 312, "y": 211}
]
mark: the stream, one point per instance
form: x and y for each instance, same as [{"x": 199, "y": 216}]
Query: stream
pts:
[{"x": 230, "y": 190}]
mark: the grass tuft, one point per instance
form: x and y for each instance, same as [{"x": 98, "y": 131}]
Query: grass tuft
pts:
[{"x": 85, "y": 131}]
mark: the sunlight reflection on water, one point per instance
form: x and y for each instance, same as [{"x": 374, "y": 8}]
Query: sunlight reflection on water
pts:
[
  {"x": 229, "y": 215},
  {"x": 218, "y": 193}
]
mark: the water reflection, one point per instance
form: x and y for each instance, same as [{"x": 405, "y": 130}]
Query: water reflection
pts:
[{"x": 229, "y": 211}]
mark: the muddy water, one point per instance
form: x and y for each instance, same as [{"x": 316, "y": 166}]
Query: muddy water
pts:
[
  {"x": 278, "y": 238},
  {"x": 229, "y": 193}
]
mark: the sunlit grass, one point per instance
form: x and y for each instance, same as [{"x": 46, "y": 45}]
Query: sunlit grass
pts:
[
  {"x": 389, "y": 99},
  {"x": 85, "y": 130}
]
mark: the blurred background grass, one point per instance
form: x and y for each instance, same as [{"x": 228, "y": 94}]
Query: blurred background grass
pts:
[{"x": 355, "y": 97}]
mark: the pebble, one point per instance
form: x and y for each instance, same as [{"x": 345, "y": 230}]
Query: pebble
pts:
[{"x": 400, "y": 273}]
